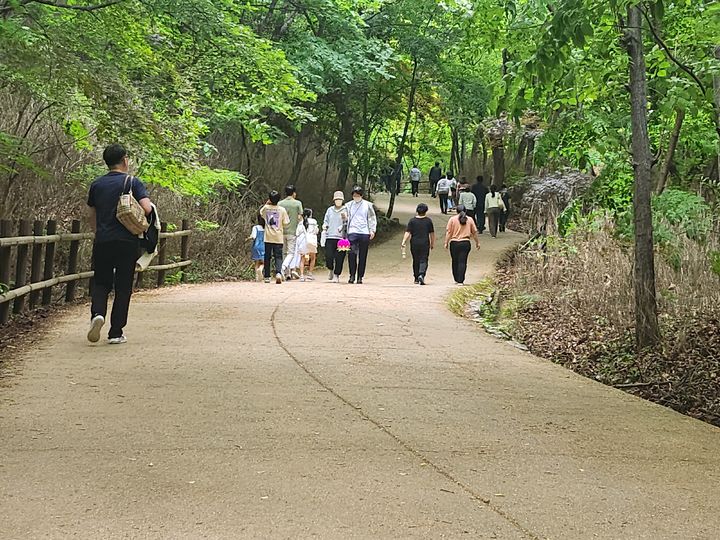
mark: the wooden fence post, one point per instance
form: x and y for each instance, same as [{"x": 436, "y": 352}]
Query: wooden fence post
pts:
[
  {"x": 73, "y": 262},
  {"x": 49, "y": 267},
  {"x": 5, "y": 231},
  {"x": 21, "y": 265},
  {"x": 184, "y": 247},
  {"x": 36, "y": 263},
  {"x": 162, "y": 247}
]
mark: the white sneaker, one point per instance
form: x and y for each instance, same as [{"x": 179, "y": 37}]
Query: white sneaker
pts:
[
  {"x": 295, "y": 275},
  {"x": 278, "y": 278},
  {"x": 331, "y": 275},
  {"x": 117, "y": 340},
  {"x": 336, "y": 279},
  {"x": 96, "y": 324}
]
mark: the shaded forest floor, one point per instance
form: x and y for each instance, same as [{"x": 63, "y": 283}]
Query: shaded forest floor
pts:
[{"x": 682, "y": 373}]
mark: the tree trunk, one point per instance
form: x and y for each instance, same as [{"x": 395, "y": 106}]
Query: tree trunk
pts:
[
  {"x": 530, "y": 156},
  {"x": 475, "y": 167},
  {"x": 520, "y": 155},
  {"x": 345, "y": 142},
  {"x": 674, "y": 137},
  {"x": 453, "y": 150},
  {"x": 300, "y": 155},
  {"x": 716, "y": 93},
  {"x": 401, "y": 146},
  {"x": 498, "y": 154},
  {"x": 647, "y": 331}
]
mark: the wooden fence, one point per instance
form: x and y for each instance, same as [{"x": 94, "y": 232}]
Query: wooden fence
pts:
[{"x": 35, "y": 250}]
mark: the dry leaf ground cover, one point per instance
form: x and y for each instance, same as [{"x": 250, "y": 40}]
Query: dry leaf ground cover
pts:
[{"x": 573, "y": 303}]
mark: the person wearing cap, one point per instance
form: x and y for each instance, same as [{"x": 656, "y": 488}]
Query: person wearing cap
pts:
[
  {"x": 334, "y": 228},
  {"x": 361, "y": 226}
]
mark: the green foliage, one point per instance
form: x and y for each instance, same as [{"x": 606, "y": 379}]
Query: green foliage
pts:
[{"x": 206, "y": 226}]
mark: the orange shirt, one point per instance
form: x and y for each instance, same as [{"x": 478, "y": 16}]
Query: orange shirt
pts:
[{"x": 457, "y": 232}]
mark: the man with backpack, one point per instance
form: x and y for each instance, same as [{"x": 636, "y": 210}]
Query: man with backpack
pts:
[{"x": 115, "y": 249}]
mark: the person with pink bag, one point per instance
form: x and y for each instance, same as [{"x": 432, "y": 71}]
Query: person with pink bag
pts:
[{"x": 334, "y": 230}]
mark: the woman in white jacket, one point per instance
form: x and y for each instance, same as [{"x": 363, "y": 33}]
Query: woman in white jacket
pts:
[{"x": 494, "y": 206}]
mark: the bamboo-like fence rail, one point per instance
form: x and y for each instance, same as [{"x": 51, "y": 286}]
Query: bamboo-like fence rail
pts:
[{"x": 35, "y": 248}]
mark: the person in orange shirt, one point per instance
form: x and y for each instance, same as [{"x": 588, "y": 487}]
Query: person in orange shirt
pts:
[{"x": 461, "y": 229}]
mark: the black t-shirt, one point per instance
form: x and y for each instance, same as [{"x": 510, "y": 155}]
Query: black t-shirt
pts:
[
  {"x": 420, "y": 229},
  {"x": 479, "y": 190},
  {"x": 103, "y": 196},
  {"x": 434, "y": 174}
]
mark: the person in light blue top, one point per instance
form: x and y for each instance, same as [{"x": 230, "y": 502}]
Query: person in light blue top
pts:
[{"x": 257, "y": 251}]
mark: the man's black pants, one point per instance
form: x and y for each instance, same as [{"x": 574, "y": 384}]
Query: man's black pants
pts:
[
  {"x": 273, "y": 252},
  {"x": 114, "y": 265},
  {"x": 415, "y": 188},
  {"x": 420, "y": 255},
  {"x": 357, "y": 259},
  {"x": 443, "y": 202}
]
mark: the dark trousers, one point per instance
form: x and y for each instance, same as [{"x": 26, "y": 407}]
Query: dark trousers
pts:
[
  {"x": 420, "y": 255},
  {"x": 273, "y": 252},
  {"x": 493, "y": 215},
  {"x": 357, "y": 259},
  {"x": 459, "y": 252},
  {"x": 503, "y": 220},
  {"x": 415, "y": 188},
  {"x": 443, "y": 202},
  {"x": 433, "y": 187},
  {"x": 480, "y": 219},
  {"x": 114, "y": 265},
  {"x": 334, "y": 258}
]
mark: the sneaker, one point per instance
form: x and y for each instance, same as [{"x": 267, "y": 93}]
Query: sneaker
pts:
[
  {"x": 294, "y": 275},
  {"x": 421, "y": 280},
  {"x": 117, "y": 340},
  {"x": 310, "y": 277},
  {"x": 278, "y": 279},
  {"x": 96, "y": 324},
  {"x": 331, "y": 275},
  {"x": 302, "y": 279},
  {"x": 267, "y": 280},
  {"x": 417, "y": 282},
  {"x": 336, "y": 279},
  {"x": 352, "y": 279},
  {"x": 359, "y": 281}
]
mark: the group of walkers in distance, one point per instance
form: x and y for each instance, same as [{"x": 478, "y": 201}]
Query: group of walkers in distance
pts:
[
  {"x": 285, "y": 239},
  {"x": 478, "y": 200}
]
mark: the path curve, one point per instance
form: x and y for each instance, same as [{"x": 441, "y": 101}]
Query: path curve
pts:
[{"x": 234, "y": 413}]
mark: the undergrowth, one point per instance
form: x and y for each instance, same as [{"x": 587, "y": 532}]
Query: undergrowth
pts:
[{"x": 572, "y": 302}]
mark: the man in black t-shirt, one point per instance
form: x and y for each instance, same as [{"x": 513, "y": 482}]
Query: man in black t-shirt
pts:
[
  {"x": 480, "y": 191},
  {"x": 115, "y": 249},
  {"x": 434, "y": 177},
  {"x": 421, "y": 233}
]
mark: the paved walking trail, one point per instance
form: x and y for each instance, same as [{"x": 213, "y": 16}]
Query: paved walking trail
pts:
[{"x": 319, "y": 410}]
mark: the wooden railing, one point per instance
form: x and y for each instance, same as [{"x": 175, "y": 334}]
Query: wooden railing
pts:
[{"x": 34, "y": 287}]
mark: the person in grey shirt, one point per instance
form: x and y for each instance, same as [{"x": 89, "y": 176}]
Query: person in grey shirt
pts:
[
  {"x": 361, "y": 226},
  {"x": 334, "y": 229}
]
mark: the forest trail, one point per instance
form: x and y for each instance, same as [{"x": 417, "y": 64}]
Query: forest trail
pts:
[{"x": 244, "y": 410}]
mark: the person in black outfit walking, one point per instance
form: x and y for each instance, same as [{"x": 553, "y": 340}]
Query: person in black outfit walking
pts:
[
  {"x": 115, "y": 249},
  {"x": 421, "y": 233},
  {"x": 479, "y": 190},
  {"x": 505, "y": 194},
  {"x": 434, "y": 176}
]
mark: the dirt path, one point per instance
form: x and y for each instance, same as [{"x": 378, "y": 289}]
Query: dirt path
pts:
[{"x": 336, "y": 411}]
